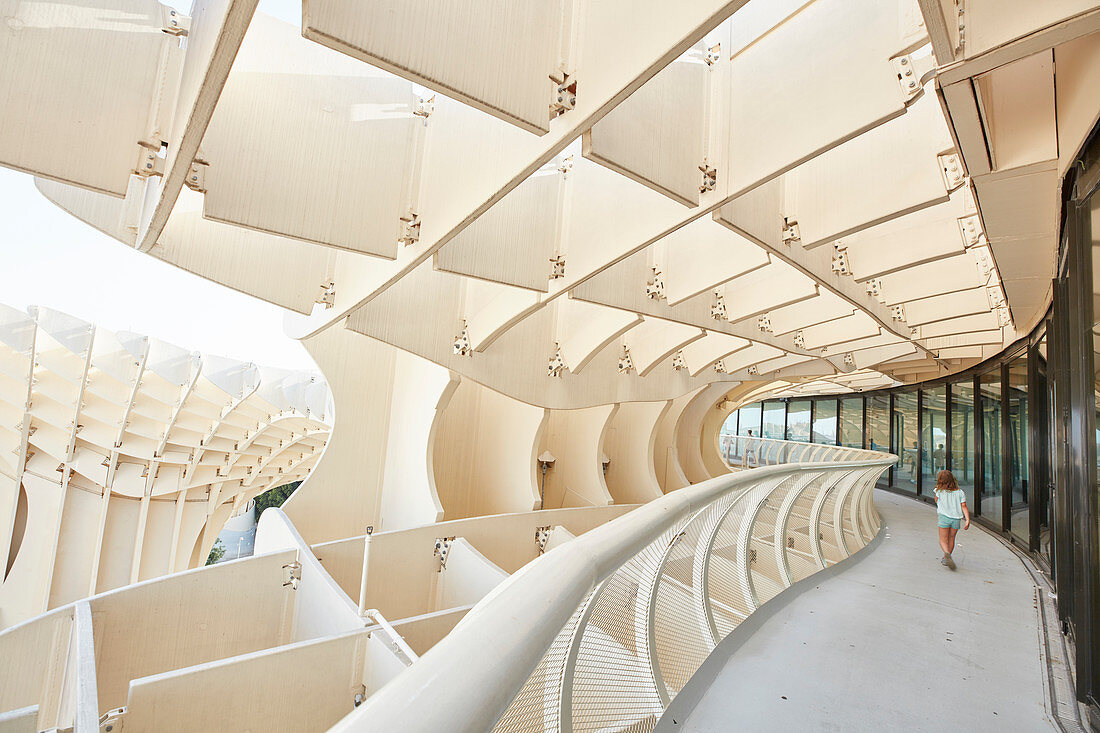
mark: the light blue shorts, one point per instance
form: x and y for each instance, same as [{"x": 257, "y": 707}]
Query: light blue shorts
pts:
[{"x": 949, "y": 522}]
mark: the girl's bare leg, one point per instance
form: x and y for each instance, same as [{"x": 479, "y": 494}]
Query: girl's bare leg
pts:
[
  {"x": 944, "y": 541},
  {"x": 951, "y": 532}
]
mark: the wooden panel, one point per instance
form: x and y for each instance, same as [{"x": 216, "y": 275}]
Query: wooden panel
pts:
[
  {"x": 941, "y": 307},
  {"x": 484, "y": 453},
  {"x": 420, "y": 393},
  {"x": 884, "y": 173},
  {"x": 943, "y": 276},
  {"x": 23, "y": 720},
  {"x": 421, "y": 633},
  {"x": 42, "y": 646},
  {"x": 827, "y": 40},
  {"x": 575, "y": 439},
  {"x": 656, "y": 340},
  {"x": 629, "y": 443},
  {"x": 496, "y": 57},
  {"x": 305, "y": 687},
  {"x": 914, "y": 239},
  {"x": 657, "y": 136},
  {"x": 511, "y": 243},
  {"x": 468, "y": 577},
  {"x": 284, "y": 271},
  {"x": 991, "y": 23},
  {"x": 702, "y": 256},
  {"x": 78, "y": 88},
  {"x": 283, "y": 89},
  {"x": 188, "y": 619},
  {"x": 703, "y": 353}
]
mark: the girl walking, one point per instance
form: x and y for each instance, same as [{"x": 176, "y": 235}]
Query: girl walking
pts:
[{"x": 952, "y": 512}]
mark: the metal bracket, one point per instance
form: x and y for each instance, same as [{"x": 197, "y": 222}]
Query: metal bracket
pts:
[
  {"x": 655, "y": 288},
  {"x": 898, "y": 312},
  {"x": 764, "y": 323},
  {"x": 714, "y": 54},
  {"x": 718, "y": 310},
  {"x": 113, "y": 721},
  {"x": 799, "y": 339},
  {"x": 174, "y": 23},
  {"x": 148, "y": 162},
  {"x": 720, "y": 367},
  {"x": 556, "y": 365},
  {"x": 625, "y": 362},
  {"x": 564, "y": 96},
  {"x": 327, "y": 297},
  {"x": 951, "y": 168},
  {"x": 462, "y": 342},
  {"x": 791, "y": 233},
  {"x": 557, "y": 267},
  {"x": 874, "y": 288},
  {"x": 360, "y": 696},
  {"x": 410, "y": 228},
  {"x": 442, "y": 549},
  {"x": 849, "y": 359},
  {"x": 293, "y": 574},
  {"x": 710, "y": 178},
  {"x": 841, "y": 265},
  {"x": 678, "y": 362},
  {"x": 913, "y": 74},
  {"x": 196, "y": 177},
  {"x": 970, "y": 227},
  {"x": 753, "y": 370},
  {"x": 424, "y": 107},
  {"x": 542, "y": 536}
]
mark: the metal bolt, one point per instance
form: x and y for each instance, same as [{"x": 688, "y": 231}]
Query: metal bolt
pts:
[{"x": 904, "y": 60}]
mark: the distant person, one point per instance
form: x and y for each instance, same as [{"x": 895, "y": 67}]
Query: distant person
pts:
[
  {"x": 938, "y": 456},
  {"x": 750, "y": 449},
  {"x": 951, "y": 511}
]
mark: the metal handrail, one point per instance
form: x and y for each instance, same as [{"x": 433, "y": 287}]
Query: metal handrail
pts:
[{"x": 469, "y": 679}]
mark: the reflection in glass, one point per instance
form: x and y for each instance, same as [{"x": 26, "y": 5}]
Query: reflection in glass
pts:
[
  {"x": 992, "y": 490},
  {"x": 962, "y": 438},
  {"x": 825, "y": 422},
  {"x": 750, "y": 419},
  {"x": 905, "y": 441},
  {"x": 773, "y": 420},
  {"x": 851, "y": 422},
  {"x": 798, "y": 420},
  {"x": 933, "y": 437},
  {"x": 1019, "y": 517},
  {"x": 878, "y": 407}
]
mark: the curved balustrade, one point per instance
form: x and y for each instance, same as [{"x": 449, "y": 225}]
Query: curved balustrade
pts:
[
  {"x": 751, "y": 452},
  {"x": 602, "y": 632}
]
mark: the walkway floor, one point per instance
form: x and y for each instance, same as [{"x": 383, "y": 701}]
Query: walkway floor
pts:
[{"x": 893, "y": 641}]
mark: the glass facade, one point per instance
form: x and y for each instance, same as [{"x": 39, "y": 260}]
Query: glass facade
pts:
[
  {"x": 1018, "y": 431},
  {"x": 933, "y": 437},
  {"x": 798, "y": 420},
  {"x": 775, "y": 420},
  {"x": 749, "y": 419},
  {"x": 1016, "y": 444},
  {"x": 903, "y": 441},
  {"x": 825, "y": 422},
  {"x": 851, "y": 422},
  {"x": 992, "y": 489},
  {"x": 961, "y": 459}
]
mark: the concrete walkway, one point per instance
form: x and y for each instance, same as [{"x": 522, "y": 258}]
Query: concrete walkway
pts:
[{"x": 892, "y": 641}]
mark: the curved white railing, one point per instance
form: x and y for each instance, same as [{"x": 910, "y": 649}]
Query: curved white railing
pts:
[{"x": 603, "y": 631}]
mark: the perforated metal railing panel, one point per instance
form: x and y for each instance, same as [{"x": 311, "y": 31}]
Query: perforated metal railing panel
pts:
[{"x": 645, "y": 629}]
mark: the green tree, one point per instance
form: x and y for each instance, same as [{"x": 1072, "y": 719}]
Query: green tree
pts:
[
  {"x": 217, "y": 552},
  {"x": 275, "y": 496}
]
